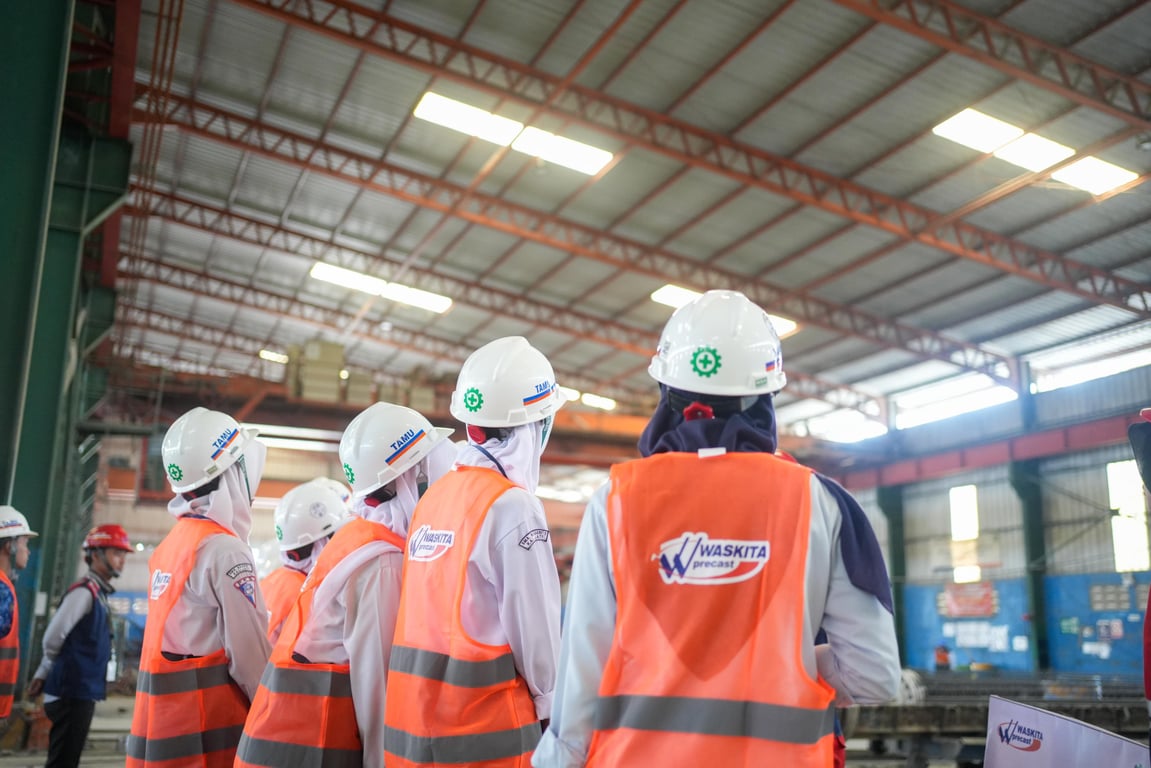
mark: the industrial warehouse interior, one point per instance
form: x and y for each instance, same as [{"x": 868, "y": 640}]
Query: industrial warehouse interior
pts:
[{"x": 288, "y": 210}]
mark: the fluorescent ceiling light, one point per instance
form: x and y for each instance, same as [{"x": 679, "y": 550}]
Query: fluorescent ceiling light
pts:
[
  {"x": 287, "y": 443},
  {"x": 467, "y": 119},
  {"x": 273, "y": 357},
  {"x": 972, "y": 128},
  {"x": 300, "y": 433},
  {"x": 344, "y": 374},
  {"x": 597, "y": 401},
  {"x": 357, "y": 281},
  {"x": 676, "y": 296},
  {"x": 1034, "y": 152},
  {"x": 566, "y": 152},
  {"x": 570, "y": 395},
  {"x": 1094, "y": 175}
]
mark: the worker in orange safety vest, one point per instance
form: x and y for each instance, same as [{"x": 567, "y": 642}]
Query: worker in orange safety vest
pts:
[
  {"x": 321, "y": 701},
  {"x": 205, "y": 641},
  {"x": 704, "y": 571}
]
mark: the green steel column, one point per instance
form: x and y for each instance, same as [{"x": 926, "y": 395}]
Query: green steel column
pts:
[
  {"x": 34, "y": 38},
  {"x": 1025, "y": 481},
  {"x": 890, "y": 500}
]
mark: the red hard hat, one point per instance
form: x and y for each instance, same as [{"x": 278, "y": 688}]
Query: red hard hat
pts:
[{"x": 109, "y": 537}]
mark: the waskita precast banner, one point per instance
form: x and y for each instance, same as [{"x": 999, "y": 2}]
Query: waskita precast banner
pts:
[{"x": 1020, "y": 736}]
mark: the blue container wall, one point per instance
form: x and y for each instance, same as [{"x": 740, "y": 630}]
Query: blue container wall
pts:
[
  {"x": 925, "y": 629},
  {"x": 1083, "y": 640}
]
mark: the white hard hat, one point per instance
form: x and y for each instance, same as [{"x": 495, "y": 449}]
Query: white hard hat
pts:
[
  {"x": 720, "y": 344},
  {"x": 382, "y": 443},
  {"x": 200, "y": 446},
  {"x": 13, "y": 524},
  {"x": 341, "y": 490},
  {"x": 506, "y": 383},
  {"x": 308, "y": 513}
]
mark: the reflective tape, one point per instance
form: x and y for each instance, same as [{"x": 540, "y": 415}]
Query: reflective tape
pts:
[
  {"x": 9, "y": 653},
  {"x": 188, "y": 745},
  {"x": 184, "y": 681},
  {"x": 715, "y": 717},
  {"x": 277, "y": 754},
  {"x": 7, "y": 689},
  {"x": 466, "y": 748},
  {"x": 445, "y": 669},
  {"x": 318, "y": 682}
]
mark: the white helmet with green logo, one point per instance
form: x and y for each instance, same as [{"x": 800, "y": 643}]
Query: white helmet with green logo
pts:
[
  {"x": 308, "y": 513},
  {"x": 506, "y": 383},
  {"x": 200, "y": 445},
  {"x": 382, "y": 443},
  {"x": 720, "y": 344}
]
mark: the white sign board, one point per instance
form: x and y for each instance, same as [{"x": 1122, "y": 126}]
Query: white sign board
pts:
[{"x": 1020, "y": 736}]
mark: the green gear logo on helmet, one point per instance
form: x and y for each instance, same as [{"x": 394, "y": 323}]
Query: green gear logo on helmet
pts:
[
  {"x": 349, "y": 473},
  {"x": 706, "y": 361},
  {"x": 473, "y": 400},
  {"x": 175, "y": 473},
  {"x": 279, "y": 533}
]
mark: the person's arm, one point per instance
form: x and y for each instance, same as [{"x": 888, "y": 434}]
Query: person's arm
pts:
[
  {"x": 588, "y": 628},
  {"x": 527, "y": 589},
  {"x": 73, "y": 608},
  {"x": 373, "y": 601},
  {"x": 861, "y": 659},
  {"x": 242, "y": 618}
]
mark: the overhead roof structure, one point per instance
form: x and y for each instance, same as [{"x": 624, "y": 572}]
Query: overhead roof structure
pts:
[{"x": 782, "y": 148}]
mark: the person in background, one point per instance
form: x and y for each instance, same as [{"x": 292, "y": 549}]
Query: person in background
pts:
[
  {"x": 78, "y": 647},
  {"x": 305, "y": 520},
  {"x": 704, "y": 572},
  {"x": 1139, "y": 435},
  {"x": 337, "y": 641},
  {"x": 942, "y": 658},
  {"x": 14, "y": 535},
  {"x": 206, "y": 638},
  {"x": 474, "y": 658}
]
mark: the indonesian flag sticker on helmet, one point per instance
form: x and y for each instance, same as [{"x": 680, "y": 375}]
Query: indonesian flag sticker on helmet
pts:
[{"x": 720, "y": 344}]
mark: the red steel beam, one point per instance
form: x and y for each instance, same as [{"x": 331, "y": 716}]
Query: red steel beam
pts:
[
  {"x": 242, "y": 132},
  {"x": 991, "y": 42},
  {"x": 414, "y": 46},
  {"x": 562, "y": 319},
  {"x": 1038, "y": 445}
]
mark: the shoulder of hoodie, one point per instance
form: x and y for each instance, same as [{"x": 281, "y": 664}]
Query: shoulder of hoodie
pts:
[{"x": 224, "y": 550}]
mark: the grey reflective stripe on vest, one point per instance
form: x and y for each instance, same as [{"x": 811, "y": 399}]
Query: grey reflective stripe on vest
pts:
[
  {"x": 715, "y": 717},
  {"x": 7, "y": 689},
  {"x": 277, "y": 754},
  {"x": 468, "y": 748},
  {"x": 189, "y": 745},
  {"x": 319, "y": 682},
  {"x": 9, "y": 653},
  {"x": 445, "y": 669},
  {"x": 164, "y": 683}
]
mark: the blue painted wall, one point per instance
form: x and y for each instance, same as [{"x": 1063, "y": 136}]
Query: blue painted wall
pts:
[
  {"x": 925, "y": 628},
  {"x": 1079, "y": 637}
]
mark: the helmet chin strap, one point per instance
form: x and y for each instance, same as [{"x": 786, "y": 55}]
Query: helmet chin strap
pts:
[{"x": 113, "y": 573}]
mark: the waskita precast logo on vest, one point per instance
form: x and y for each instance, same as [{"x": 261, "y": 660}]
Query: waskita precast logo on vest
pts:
[
  {"x": 1018, "y": 736},
  {"x": 427, "y": 544},
  {"x": 696, "y": 558},
  {"x": 160, "y": 582}
]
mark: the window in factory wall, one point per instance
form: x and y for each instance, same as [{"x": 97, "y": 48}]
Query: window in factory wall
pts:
[
  {"x": 965, "y": 534},
  {"x": 1129, "y": 522}
]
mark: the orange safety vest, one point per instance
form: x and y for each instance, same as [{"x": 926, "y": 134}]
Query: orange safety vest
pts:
[
  {"x": 9, "y": 654},
  {"x": 450, "y": 698},
  {"x": 189, "y": 712},
  {"x": 281, "y": 587},
  {"x": 706, "y": 661},
  {"x": 303, "y": 714}
]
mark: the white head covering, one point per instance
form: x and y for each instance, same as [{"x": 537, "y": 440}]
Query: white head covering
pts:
[
  {"x": 518, "y": 454},
  {"x": 230, "y": 505},
  {"x": 396, "y": 513}
]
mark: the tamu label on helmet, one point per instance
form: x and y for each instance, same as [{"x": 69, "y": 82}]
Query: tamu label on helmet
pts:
[
  {"x": 542, "y": 391},
  {"x": 221, "y": 443},
  {"x": 160, "y": 582},
  {"x": 406, "y": 442},
  {"x": 426, "y": 544},
  {"x": 696, "y": 558}
]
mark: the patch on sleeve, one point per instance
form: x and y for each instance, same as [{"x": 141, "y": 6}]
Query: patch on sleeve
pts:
[
  {"x": 247, "y": 586},
  {"x": 237, "y": 570},
  {"x": 531, "y": 537}
]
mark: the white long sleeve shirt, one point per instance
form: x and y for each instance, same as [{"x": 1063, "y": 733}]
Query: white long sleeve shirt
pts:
[
  {"x": 860, "y": 661},
  {"x": 222, "y": 608},
  {"x": 352, "y": 622}
]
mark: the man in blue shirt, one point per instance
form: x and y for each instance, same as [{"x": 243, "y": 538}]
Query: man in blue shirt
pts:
[{"x": 78, "y": 647}]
